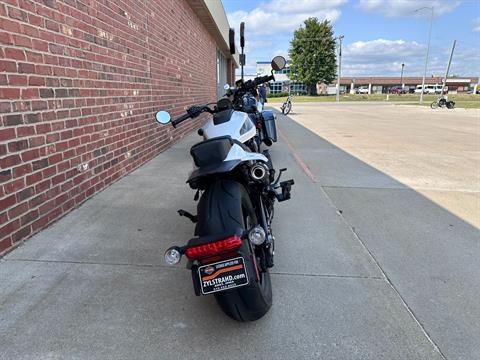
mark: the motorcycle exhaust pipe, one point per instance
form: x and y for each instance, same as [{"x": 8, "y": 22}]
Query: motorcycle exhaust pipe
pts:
[{"x": 259, "y": 172}]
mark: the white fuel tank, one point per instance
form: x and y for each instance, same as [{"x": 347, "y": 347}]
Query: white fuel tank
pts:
[{"x": 239, "y": 127}]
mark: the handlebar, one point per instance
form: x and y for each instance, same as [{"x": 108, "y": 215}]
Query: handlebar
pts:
[
  {"x": 180, "y": 119},
  {"x": 263, "y": 79},
  {"x": 250, "y": 84},
  {"x": 192, "y": 112}
]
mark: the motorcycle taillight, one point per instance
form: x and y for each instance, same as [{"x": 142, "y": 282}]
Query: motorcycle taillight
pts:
[{"x": 213, "y": 248}]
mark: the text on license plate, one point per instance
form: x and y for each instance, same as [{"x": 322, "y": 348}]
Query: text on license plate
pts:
[{"x": 222, "y": 275}]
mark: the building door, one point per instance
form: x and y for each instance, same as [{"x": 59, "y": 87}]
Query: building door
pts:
[{"x": 221, "y": 73}]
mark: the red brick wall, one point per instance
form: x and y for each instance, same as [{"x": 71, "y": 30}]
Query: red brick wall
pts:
[{"x": 80, "y": 82}]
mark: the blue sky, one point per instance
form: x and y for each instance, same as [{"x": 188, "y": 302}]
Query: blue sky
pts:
[{"x": 379, "y": 34}]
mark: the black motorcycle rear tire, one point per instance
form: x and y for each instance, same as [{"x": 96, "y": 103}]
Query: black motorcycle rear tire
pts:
[{"x": 223, "y": 208}]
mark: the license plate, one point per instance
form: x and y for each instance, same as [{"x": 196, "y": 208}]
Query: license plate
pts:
[{"x": 222, "y": 275}]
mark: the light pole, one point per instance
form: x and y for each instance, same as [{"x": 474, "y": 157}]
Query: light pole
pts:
[
  {"x": 340, "y": 38},
  {"x": 401, "y": 76},
  {"x": 428, "y": 49},
  {"x": 448, "y": 67}
]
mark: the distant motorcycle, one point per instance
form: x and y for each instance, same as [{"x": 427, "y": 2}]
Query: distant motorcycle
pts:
[
  {"x": 287, "y": 105},
  {"x": 442, "y": 102}
]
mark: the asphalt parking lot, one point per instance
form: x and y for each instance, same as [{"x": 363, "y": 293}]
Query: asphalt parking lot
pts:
[{"x": 371, "y": 262}]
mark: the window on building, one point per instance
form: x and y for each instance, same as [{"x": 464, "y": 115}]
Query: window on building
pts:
[
  {"x": 221, "y": 73},
  {"x": 298, "y": 88},
  {"x": 283, "y": 71},
  {"x": 275, "y": 87}
]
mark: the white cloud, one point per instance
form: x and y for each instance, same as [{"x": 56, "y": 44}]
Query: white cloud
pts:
[
  {"x": 398, "y": 8},
  {"x": 262, "y": 23},
  {"x": 270, "y": 25},
  {"x": 283, "y": 17},
  {"x": 253, "y": 44},
  {"x": 384, "y": 57},
  {"x": 382, "y": 50},
  {"x": 380, "y": 56},
  {"x": 476, "y": 24},
  {"x": 301, "y": 6}
]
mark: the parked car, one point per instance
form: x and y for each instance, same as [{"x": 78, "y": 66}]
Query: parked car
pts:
[
  {"x": 398, "y": 90},
  {"x": 437, "y": 89},
  {"x": 361, "y": 90},
  {"x": 418, "y": 89},
  {"x": 429, "y": 89}
]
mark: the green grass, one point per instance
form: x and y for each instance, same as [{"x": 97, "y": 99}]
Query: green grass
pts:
[{"x": 461, "y": 100}]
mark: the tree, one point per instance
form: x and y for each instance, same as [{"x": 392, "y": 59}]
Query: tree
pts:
[{"x": 312, "y": 54}]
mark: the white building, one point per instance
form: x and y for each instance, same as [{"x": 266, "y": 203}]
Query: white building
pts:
[{"x": 282, "y": 82}]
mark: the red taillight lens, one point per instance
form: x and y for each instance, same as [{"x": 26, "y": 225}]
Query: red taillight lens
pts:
[{"x": 214, "y": 248}]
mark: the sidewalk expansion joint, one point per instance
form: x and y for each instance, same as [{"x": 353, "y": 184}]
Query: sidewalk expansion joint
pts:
[
  {"x": 90, "y": 263},
  {"x": 327, "y": 275}
]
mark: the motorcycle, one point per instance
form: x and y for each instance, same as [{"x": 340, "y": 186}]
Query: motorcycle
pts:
[
  {"x": 233, "y": 248},
  {"x": 442, "y": 102},
  {"x": 287, "y": 105}
]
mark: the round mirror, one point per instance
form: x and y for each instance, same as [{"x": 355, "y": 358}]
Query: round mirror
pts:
[
  {"x": 226, "y": 87},
  {"x": 278, "y": 63},
  {"x": 163, "y": 117}
]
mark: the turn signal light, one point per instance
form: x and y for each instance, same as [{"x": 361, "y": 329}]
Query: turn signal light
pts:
[
  {"x": 257, "y": 235},
  {"x": 214, "y": 248},
  {"x": 172, "y": 256}
]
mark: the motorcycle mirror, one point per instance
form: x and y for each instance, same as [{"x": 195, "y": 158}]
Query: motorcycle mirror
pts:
[
  {"x": 231, "y": 40},
  {"x": 242, "y": 34},
  {"x": 278, "y": 63},
  {"x": 163, "y": 117},
  {"x": 226, "y": 87}
]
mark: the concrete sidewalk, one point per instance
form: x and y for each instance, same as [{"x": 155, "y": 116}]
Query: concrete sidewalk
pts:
[{"x": 93, "y": 285}]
